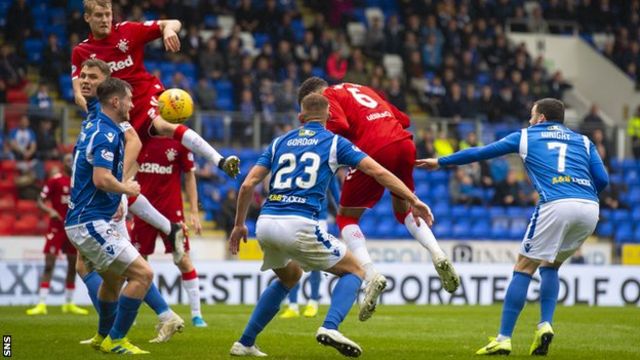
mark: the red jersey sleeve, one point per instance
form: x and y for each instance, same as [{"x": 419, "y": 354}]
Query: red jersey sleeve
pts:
[
  {"x": 187, "y": 162},
  {"x": 76, "y": 62},
  {"x": 142, "y": 33},
  {"x": 402, "y": 117},
  {"x": 46, "y": 190},
  {"x": 337, "y": 122}
]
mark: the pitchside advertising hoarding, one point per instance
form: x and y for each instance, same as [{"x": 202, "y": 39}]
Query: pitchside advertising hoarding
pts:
[
  {"x": 485, "y": 268},
  {"x": 241, "y": 282}
]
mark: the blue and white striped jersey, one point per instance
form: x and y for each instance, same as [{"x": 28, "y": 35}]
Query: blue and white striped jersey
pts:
[
  {"x": 302, "y": 163},
  {"x": 561, "y": 163},
  {"x": 100, "y": 144}
]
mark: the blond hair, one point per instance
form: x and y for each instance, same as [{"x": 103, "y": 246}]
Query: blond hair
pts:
[
  {"x": 314, "y": 107},
  {"x": 89, "y": 5}
]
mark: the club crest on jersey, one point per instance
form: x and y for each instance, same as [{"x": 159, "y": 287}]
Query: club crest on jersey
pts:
[
  {"x": 123, "y": 45},
  {"x": 171, "y": 154},
  {"x": 110, "y": 136},
  {"x": 306, "y": 132}
]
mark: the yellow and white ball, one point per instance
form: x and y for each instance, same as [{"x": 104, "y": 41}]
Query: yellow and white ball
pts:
[{"x": 175, "y": 105}]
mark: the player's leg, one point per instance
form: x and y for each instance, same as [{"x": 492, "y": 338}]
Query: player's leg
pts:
[
  {"x": 139, "y": 276},
  {"x": 423, "y": 234},
  {"x": 514, "y": 301},
  {"x": 143, "y": 237},
  {"x": 583, "y": 220},
  {"x": 267, "y": 307},
  {"x": 312, "y": 305},
  {"x": 90, "y": 278},
  {"x": 342, "y": 299},
  {"x": 191, "y": 285},
  {"x": 70, "y": 284},
  {"x": 43, "y": 292},
  {"x": 292, "y": 310},
  {"x": 194, "y": 142},
  {"x": 142, "y": 208}
]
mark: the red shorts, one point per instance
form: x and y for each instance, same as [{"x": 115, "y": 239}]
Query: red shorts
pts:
[
  {"x": 143, "y": 235},
  {"x": 145, "y": 109},
  {"x": 362, "y": 191},
  {"x": 56, "y": 240}
]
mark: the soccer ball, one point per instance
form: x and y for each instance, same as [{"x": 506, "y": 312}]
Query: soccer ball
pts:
[{"x": 175, "y": 105}]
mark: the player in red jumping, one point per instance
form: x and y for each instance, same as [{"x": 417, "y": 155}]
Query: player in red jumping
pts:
[
  {"x": 162, "y": 163},
  {"x": 56, "y": 190},
  {"x": 378, "y": 128},
  {"x": 121, "y": 46}
]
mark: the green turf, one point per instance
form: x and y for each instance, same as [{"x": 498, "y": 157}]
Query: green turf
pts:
[{"x": 394, "y": 332}]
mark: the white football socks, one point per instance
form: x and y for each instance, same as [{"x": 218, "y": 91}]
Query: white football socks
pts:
[
  {"x": 192, "y": 287},
  {"x": 143, "y": 209},
  {"x": 424, "y": 236},
  {"x": 68, "y": 295},
  {"x": 194, "y": 142},
  {"x": 43, "y": 293},
  {"x": 356, "y": 242}
]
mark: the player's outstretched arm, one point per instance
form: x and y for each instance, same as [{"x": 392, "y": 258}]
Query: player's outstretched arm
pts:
[
  {"x": 170, "y": 30},
  {"x": 597, "y": 169},
  {"x": 507, "y": 145},
  {"x": 240, "y": 231},
  {"x": 77, "y": 95},
  {"x": 395, "y": 185},
  {"x": 104, "y": 180},
  {"x": 192, "y": 196},
  {"x": 48, "y": 209},
  {"x": 132, "y": 147}
]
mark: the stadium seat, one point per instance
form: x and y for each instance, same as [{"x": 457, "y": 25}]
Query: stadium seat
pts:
[
  {"x": 440, "y": 209},
  {"x": 393, "y": 65},
  {"x": 33, "y": 48},
  {"x": 440, "y": 177},
  {"x": 7, "y": 223},
  {"x": 442, "y": 228},
  {"x": 357, "y": 32},
  {"x": 500, "y": 229},
  {"x": 64, "y": 83},
  {"x": 481, "y": 230},
  {"x": 422, "y": 190},
  {"x": 373, "y": 12},
  {"x": 260, "y": 39},
  {"x": 459, "y": 211},
  {"x": 621, "y": 216},
  {"x": 623, "y": 233},
  {"x": 27, "y": 206},
  {"x": 461, "y": 229},
  {"x": 604, "y": 229},
  {"x": 605, "y": 214},
  {"x": 479, "y": 212}
]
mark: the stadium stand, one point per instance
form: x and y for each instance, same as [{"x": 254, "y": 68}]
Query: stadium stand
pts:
[{"x": 440, "y": 58}]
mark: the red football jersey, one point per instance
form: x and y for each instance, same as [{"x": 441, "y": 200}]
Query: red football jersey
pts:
[
  {"x": 123, "y": 50},
  {"x": 162, "y": 162},
  {"x": 361, "y": 115},
  {"x": 57, "y": 190}
]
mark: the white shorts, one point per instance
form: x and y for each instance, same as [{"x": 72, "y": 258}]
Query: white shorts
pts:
[
  {"x": 286, "y": 238},
  {"x": 558, "y": 228},
  {"x": 101, "y": 243}
]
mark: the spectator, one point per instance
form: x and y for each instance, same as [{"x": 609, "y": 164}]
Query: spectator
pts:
[
  {"x": 557, "y": 86},
  {"x": 471, "y": 140},
  {"x": 374, "y": 40},
  {"x": 357, "y": 73},
  {"x": 246, "y": 16},
  {"x": 205, "y": 95},
  {"x": 308, "y": 50},
  {"x": 394, "y": 35},
  {"x": 523, "y": 101},
  {"x": 432, "y": 53},
  {"x": 396, "y": 95},
  {"x": 602, "y": 145},
  {"x": 336, "y": 66},
  {"x": 470, "y": 105},
  {"x": 12, "y": 68},
  {"x": 508, "y": 191},
  {"x": 56, "y": 60},
  {"x": 41, "y": 102},
  {"x": 633, "y": 130},
  {"x": 228, "y": 212},
  {"x": 46, "y": 144},
  {"x": 453, "y": 104},
  {"x": 537, "y": 86},
  {"x": 424, "y": 144},
  {"x": 487, "y": 104},
  {"x": 193, "y": 43},
  {"x": 443, "y": 145},
  {"x": 22, "y": 140},
  {"x": 461, "y": 189},
  {"x": 286, "y": 97},
  {"x": 19, "y": 24},
  {"x": 592, "y": 121}
]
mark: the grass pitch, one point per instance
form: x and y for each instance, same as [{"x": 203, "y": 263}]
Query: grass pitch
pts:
[{"x": 394, "y": 332}]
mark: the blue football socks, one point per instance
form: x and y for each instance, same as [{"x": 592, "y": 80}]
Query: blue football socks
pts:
[
  {"x": 514, "y": 302},
  {"x": 344, "y": 295},
  {"x": 266, "y": 308}
]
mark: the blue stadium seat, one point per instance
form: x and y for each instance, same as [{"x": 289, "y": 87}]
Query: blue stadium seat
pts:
[
  {"x": 462, "y": 229},
  {"x": 440, "y": 192},
  {"x": 385, "y": 228},
  {"x": 605, "y": 229},
  {"x": 421, "y": 176},
  {"x": 628, "y": 164},
  {"x": 636, "y": 235},
  {"x": 212, "y": 127},
  {"x": 481, "y": 230},
  {"x": 64, "y": 82},
  {"x": 251, "y": 226},
  {"x": 368, "y": 224},
  {"x": 33, "y": 48},
  {"x": 623, "y": 233},
  {"x": 518, "y": 228},
  {"x": 459, "y": 211},
  {"x": 298, "y": 29},
  {"x": 318, "y": 71},
  {"x": 478, "y": 212},
  {"x": 497, "y": 211},
  {"x": 440, "y": 177},
  {"x": 188, "y": 69},
  {"x": 606, "y": 213},
  {"x": 57, "y": 15},
  {"x": 500, "y": 230},
  {"x": 225, "y": 103},
  {"x": 422, "y": 190},
  {"x": 440, "y": 209},
  {"x": 620, "y": 216},
  {"x": 260, "y": 39},
  {"x": 442, "y": 228},
  {"x": 210, "y": 21}
]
